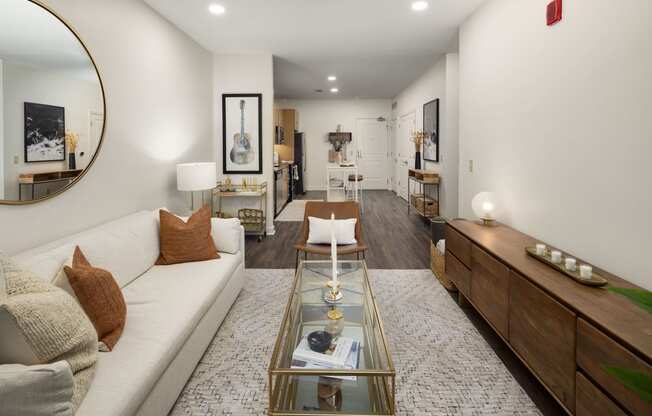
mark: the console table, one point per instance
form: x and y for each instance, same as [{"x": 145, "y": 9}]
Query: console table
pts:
[
  {"x": 44, "y": 178},
  {"x": 577, "y": 340}
]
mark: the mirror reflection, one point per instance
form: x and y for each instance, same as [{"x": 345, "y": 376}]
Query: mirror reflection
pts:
[{"x": 51, "y": 104}]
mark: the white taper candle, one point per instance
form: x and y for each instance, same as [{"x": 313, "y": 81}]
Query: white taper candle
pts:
[{"x": 333, "y": 247}]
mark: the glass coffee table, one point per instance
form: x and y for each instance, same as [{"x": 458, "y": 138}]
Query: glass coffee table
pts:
[{"x": 365, "y": 388}]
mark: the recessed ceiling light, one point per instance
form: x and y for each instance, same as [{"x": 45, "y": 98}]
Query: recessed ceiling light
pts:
[
  {"x": 332, "y": 78},
  {"x": 334, "y": 90},
  {"x": 419, "y": 5},
  {"x": 216, "y": 9}
]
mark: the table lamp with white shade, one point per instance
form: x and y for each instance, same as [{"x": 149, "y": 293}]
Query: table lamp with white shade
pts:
[{"x": 196, "y": 177}]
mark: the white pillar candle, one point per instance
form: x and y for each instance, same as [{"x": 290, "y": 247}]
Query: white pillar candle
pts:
[
  {"x": 586, "y": 272},
  {"x": 571, "y": 264},
  {"x": 333, "y": 248},
  {"x": 555, "y": 256},
  {"x": 541, "y": 249}
]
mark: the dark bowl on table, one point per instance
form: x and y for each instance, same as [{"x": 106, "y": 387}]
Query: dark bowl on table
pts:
[{"x": 320, "y": 341}]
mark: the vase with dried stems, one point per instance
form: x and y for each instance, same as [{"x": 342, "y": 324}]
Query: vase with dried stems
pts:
[
  {"x": 418, "y": 137},
  {"x": 72, "y": 140}
]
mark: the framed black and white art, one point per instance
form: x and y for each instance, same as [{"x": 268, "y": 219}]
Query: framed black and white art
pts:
[
  {"x": 45, "y": 133},
  {"x": 431, "y": 128},
  {"x": 242, "y": 118}
]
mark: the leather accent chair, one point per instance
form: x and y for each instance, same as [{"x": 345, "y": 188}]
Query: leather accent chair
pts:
[{"x": 342, "y": 210}]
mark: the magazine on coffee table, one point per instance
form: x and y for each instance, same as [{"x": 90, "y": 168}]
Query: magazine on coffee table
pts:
[{"x": 303, "y": 358}]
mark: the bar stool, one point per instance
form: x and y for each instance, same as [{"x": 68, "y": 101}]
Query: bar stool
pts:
[{"x": 357, "y": 187}]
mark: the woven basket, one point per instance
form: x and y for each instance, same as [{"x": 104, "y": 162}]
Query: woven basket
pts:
[{"x": 438, "y": 266}]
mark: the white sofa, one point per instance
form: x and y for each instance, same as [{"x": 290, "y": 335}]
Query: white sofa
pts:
[{"x": 173, "y": 312}]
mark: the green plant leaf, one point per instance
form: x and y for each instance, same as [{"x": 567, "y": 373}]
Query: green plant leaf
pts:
[
  {"x": 640, "y": 383},
  {"x": 640, "y": 297}
]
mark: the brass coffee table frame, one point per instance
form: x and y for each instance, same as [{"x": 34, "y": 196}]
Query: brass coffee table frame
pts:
[{"x": 381, "y": 382}]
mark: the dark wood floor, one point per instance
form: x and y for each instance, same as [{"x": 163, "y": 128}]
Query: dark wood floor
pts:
[{"x": 396, "y": 241}]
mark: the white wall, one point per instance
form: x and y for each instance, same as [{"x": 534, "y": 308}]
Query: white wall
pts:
[
  {"x": 254, "y": 74},
  {"x": 440, "y": 81},
  {"x": 2, "y": 132},
  {"x": 317, "y": 118},
  {"x": 559, "y": 123},
  {"x": 24, "y": 83},
  {"x": 158, "y": 88}
]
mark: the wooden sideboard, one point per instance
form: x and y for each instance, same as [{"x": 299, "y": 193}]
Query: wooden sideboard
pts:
[{"x": 572, "y": 337}]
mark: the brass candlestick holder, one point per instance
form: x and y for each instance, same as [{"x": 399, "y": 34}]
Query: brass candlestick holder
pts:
[{"x": 334, "y": 295}]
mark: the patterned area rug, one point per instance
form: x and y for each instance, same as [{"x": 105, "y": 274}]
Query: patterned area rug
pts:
[{"x": 444, "y": 366}]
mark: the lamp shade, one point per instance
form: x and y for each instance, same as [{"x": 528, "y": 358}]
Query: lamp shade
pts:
[
  {"x": 485, "y": 206},
  {"x": 196, "y": 176}
]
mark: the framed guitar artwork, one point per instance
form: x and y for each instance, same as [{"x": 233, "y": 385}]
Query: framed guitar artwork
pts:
[{"x": 242, "y": 120}]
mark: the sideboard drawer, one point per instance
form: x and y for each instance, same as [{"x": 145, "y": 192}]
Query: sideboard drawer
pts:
[
  {"x": 542, "y": 331},
  {"x": 590, "y": 401},
  {"x": 458, "y": 245},
  {"x": 490, "y": 289},
  {"x": 458, "y": 273},
  {"x": 603, "y": 359}
]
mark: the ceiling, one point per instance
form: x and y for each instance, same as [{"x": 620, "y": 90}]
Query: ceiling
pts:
[
  {"x": 374, "y": 47},
  {"x": 31, "y": 36}
]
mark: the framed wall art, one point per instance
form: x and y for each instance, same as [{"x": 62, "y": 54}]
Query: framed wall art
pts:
[
  {"x": 45, "y": 133},
  {"x": 431, "y": 128},
  {"x": 242, "y": 119}
]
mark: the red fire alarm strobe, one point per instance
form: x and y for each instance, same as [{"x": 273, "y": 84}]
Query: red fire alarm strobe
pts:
[{"x": 554, "y": 12}]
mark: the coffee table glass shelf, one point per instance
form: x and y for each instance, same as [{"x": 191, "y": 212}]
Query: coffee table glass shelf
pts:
[{"x": 367, "y": 390}]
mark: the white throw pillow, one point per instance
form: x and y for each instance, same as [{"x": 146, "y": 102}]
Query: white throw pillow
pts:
[
  {"x": 39, "y": 390},
  {"x": 320, "y": 231},
  {"x": 226, "y": 234}
]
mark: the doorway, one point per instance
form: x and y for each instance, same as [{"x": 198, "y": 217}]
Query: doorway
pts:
[
  {"x": 406, "y": 125},
  {"x": 372, "y": 155}
]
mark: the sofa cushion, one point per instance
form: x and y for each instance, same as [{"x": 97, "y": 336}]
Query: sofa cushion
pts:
[
  {"x": 101, "y": 298},
  {"x": 39, "y": 390},
  {"x": 186, "y": 241},
  {"x": 52, "y": 324},
  {"x": 127, "y": 247},
  {"x": 165, "y": 305},
  {"x": 226, "y": 234}
]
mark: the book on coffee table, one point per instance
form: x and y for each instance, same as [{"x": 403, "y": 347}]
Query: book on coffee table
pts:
[
  {"x": 333, "y": 358},
  {"x": 351, "y": 363}
]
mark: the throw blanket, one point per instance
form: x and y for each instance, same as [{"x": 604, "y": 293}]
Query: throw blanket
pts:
[{"x": 52, "y": 322}]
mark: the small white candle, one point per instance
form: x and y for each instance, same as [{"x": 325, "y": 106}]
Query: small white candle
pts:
[
  {"x": 333, "y": 248},
  {"x": 541, "y": 249},
  {"x": 586, "y": 272},
  {"x": 571, "y": 264},
  {"x": 555, "y": 256}
]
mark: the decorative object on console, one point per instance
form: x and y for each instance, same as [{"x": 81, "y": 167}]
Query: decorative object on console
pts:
[
  {"x": 101, "y": 298},
  {"x": 431, "y": 130},
  {"x": 417, "y": 138},
  {"x": 555, "y": 259},
  {"x": 72, "y": 140},
  {"x": 196, "y": 177},
  {"x": 242, "y": 123},
  {"x": 319, "y": 341},
  {"x": 43, "y": 324},
  {"x": 184, "y": 242},
  {"x": 45, "y": 128},
  {"x": 339, "y": 141},
  {"x": 485, "y": 207}
]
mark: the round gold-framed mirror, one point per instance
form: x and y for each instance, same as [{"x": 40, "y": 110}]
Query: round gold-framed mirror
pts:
[{"x": 52, "y": 104}]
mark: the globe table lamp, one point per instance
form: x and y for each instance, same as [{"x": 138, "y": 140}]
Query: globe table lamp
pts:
[{"x": 485, "y": 206}]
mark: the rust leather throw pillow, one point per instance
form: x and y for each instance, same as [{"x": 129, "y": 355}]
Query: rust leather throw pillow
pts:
[
  {"x": 100, "y": 297},
  {"x": 183, "y": 242}
]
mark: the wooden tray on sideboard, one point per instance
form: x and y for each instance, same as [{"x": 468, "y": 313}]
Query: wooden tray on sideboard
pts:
[{"x": 596, "y": 279}]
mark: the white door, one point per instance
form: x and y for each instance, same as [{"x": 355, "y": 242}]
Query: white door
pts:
[
  {"x": 406, "y": 125},
  {"x": 372, "y": 156},
  {"x": 391, "y": 140},
  {"x": 95, "y": 126}
]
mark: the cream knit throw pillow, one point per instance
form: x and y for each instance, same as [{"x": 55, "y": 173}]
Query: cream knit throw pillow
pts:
[{"x": 53, "y": 324}]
